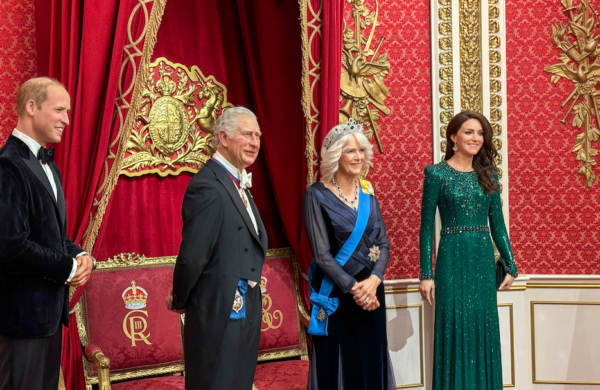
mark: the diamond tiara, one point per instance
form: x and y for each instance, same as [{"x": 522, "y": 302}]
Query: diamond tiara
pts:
[{"x": 342, "y": 130}]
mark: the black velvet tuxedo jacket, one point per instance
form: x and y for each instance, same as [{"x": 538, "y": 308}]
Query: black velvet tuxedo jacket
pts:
[
  {"x": 36, "y": 256},
  {"x": 219, "y": 247}
]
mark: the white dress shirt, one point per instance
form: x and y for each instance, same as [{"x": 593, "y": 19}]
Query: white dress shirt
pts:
[
  {"x": 34, "y": 146},
  {"x": 238, "y": 174}
]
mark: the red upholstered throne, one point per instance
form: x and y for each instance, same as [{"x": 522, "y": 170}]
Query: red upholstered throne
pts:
[
  {"x": 283, "y": 335},
  {"x": 124, "y": 325},
  {"x": 129, "y": 335}
]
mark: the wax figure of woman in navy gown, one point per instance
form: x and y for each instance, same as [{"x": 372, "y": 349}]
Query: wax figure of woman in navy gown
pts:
[
  {"x": 351, "y": 251},
  {"x": 465, "y": 189}
]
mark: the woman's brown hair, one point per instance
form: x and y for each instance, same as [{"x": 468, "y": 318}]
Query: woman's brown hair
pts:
[{"x": 483, "y": 162}]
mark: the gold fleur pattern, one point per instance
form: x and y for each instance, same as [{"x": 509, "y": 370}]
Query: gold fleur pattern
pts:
[{"x": 579, "y": 62}]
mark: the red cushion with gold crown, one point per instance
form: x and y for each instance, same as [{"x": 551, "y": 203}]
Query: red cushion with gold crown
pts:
[{"x": 123, "y": 313}]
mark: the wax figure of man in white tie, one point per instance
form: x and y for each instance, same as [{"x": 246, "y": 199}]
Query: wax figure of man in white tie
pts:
[
  {"x": 220, "y": 260},
  {"x": 38, "y": 261}
]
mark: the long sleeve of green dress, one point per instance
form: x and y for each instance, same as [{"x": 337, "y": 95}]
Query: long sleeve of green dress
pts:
[
  {"x": 429, "y": 203},
  {"x": 499, "y": 233}
]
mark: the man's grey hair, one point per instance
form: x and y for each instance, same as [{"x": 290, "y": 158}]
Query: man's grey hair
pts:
[{"x": 228, "y": 123}]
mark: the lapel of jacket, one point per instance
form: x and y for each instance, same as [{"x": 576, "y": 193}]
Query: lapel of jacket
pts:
[
  {"x": 60, "y": 202},
  {"x": 231, "y": 189},
  {"x": 259, "y": 222},
  {"x": 32, "y": 163}
]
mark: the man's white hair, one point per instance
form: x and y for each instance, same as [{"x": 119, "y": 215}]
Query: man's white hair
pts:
[
  {"x": 228, "y": 123},
  {"x": 330, "y": 158}
]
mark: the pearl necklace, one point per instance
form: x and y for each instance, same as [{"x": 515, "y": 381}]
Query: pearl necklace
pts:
[{"x": 348, "y": 202}]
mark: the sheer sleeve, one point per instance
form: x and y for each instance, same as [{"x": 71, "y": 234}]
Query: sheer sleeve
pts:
[
  {"x": 384, "y": 247},
  {"x": 319, "y": 243},
  {"x": 499, "y": 233},
  {"x": 431, "y": 190}
]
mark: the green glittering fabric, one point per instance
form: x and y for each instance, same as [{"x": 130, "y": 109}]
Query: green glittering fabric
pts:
[{"x": 467, "y": 335}]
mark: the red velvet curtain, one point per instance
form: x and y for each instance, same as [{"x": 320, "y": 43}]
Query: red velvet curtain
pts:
[
  {"x": 327, "y": 52},
  {"x": 81, "y": 44}
]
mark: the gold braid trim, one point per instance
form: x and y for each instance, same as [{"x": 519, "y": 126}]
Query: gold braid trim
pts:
[
  {"x": 310, "y": 68},
  {"x": 109, "y": 184}
]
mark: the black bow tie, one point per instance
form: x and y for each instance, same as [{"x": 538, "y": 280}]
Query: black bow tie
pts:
[{"x": 46, "y": 155}]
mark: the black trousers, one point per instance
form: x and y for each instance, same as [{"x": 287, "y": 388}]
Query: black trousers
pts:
[
  {"x": 237, "y": 360},
  {"x": 30, "y": 364}
]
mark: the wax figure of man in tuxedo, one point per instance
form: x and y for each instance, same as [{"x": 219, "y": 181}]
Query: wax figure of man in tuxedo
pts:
[
  {"x": 38, "y": 262},
  {"x": 217, "y": 275}
]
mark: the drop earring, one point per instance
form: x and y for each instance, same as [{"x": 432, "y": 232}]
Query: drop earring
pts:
[{"x": 455, "y": 148}]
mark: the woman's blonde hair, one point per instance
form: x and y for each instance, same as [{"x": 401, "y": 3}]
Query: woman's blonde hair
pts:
[{"x": 330, "y": 157}]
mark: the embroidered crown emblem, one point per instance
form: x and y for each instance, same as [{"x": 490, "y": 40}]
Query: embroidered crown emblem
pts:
[
  {"x": 135, "y": 297},
  {"x": 342, "y": 130}
]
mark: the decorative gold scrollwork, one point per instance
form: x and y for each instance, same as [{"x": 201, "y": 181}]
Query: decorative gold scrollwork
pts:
[
  {"x": 175, "y": 122},
  {"x": 363, "y": 73},
  {"x": 271, "y": 320},
  {"x": 585, "y": 54}
]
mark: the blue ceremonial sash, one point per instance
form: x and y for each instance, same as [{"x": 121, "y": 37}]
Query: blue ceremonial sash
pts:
[
  {"x": 322, "y": 305},
  {"x": 242, "y": 287}
]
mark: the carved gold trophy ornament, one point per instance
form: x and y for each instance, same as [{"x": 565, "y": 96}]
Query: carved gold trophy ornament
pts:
[
  {"x": 363, "y": 73},
  {"x": 580, "y": 63},
  {"x": 175, "y": 122}
]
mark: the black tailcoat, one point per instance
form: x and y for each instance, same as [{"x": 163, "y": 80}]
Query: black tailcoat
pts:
[
  {"x": 219, "y": 247},
  {"x": 36, "y": 256}
]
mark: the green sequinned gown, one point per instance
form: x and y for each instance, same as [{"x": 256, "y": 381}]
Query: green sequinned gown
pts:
[{"x": 467, "y": 334}]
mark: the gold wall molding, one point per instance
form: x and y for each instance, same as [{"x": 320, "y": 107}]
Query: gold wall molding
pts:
[
  {"x": 495, "y": 78},
  {"x": 175, "y": 122},
  {"x": 362, "y": 81},
  {"x": 470, "y": 55},
  {"x": 421, "y": 343},
  {"x": 445, "y": 71},
  {"x": 512, "y": 343},
  {"x": 310, "y": 24},
  {"x": 579, "y": 62},
  {"x": 533, "y": 354}
]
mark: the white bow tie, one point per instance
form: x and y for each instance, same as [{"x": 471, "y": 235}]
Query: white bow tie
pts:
[{"x": 245, "y": 180}]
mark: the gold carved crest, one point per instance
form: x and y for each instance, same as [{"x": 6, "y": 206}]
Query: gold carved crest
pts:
[
  {"x": 579, "y": 62},
  {"x": 175, "y": 121},
  {"x": 363, "y": 72}
]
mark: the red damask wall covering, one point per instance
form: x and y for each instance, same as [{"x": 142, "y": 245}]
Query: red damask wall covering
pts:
[
  {"x": 554, "y": 219},
  {"x": 17, "y": 57},
  {"x": 406, "y": 133}
]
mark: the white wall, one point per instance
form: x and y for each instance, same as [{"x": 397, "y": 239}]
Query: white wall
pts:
[{"x": 549, "y": 330}]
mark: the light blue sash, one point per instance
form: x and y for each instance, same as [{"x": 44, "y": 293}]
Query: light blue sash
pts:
[{"x": 322, "y": 305}]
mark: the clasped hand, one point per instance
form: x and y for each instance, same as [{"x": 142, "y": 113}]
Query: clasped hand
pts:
[
  {"x": 365, "y": 293},
  {"x": 169, "y": 303},
  {"x": 85, "y": 264}
]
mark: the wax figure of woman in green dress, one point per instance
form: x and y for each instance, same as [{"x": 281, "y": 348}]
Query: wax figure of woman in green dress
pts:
[{"x": 465, "y": 189}]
